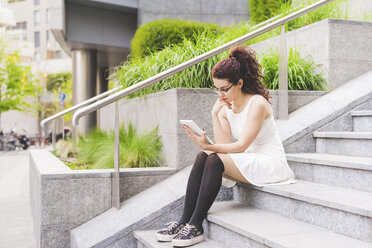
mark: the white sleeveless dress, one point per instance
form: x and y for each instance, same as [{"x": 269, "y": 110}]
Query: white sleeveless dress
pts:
[{"x": 264, "y": 162}]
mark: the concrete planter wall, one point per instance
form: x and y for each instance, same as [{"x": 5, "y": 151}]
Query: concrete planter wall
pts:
[
  {"x": 165, "y": 109},
  {"x": 344, "y": 47},
  {"x": 62, "y": 199}
]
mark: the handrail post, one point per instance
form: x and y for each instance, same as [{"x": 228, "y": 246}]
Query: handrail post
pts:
[
  {"x": 54, "y": 134},
  {"x": 63, "y": 126},
  {"x": 283, "y": 77},
  {"x": 116, "y": 181}
]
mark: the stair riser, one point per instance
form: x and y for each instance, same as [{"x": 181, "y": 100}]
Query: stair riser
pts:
[
  {"x": 362, "y": 123},
  {"x": 331, "y": 175},
  {"x": 346, "y": 223},
  {"x": 351, "y": 147},
  {"x": 229, "y": 238}
]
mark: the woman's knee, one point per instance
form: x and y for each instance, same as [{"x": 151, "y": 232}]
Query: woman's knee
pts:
[
  {"x": 200, "y": 160},
  {"x": 213, "y": 161}
]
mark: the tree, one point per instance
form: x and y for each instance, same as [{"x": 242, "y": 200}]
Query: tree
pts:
[
  {"x": 61, "y": 83},
  {"x": 17, "y": 83}
]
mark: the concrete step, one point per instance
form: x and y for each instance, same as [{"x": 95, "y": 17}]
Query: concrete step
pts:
[
  {"x": 362, "y": 121},
  {"x": 149, "y": 209},
  {"x": 237, "y": 225},
  {"x": 344, "y": 143},
  {"x": 147, "y": 239},
  {"x": 345, "y": 211},
  {"x": 345, "y": 171}
]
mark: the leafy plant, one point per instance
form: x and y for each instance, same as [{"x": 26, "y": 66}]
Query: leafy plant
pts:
[
  {"x": 303, "y": 73},
  {"x": 66, "y": 149},
  {"x": 136, "y": 150},
  {"x": 197, "y": 76},
  {"x": 156, "y": 35}
]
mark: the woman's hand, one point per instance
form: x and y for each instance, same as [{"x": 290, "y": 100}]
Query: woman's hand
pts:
[
  {"x": 201, "y": 141},
  {"x": 218, "y": 106}
]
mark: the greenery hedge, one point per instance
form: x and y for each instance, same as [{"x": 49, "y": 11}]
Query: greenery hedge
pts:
[
  {"x": 261, "y": 10},
  {"x": 154, "y": 36}
]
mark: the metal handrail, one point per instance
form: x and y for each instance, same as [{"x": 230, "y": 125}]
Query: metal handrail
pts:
[
  {"x": 82, "y": 104},
  {"x": 154, "y": 79}
]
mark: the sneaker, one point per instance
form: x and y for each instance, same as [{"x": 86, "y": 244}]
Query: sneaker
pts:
[
  {"x": 168, "y": 233},
  {"x": 189, "y": 235}
]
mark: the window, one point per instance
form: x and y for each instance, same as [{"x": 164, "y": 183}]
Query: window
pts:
[
  {"x": 37, "y": 39},
  {"x": 36, "y": 18},
  {"x": 47, "y": 35},
  {"x": 57, "y": 54},
  {"x": 47, "y": 16},
  {"x": 36, "y": 2},
  {"x": 18, "y": 26}
]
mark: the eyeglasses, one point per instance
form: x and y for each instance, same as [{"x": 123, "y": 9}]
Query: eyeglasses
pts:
[{"x": 223, "y": 91}]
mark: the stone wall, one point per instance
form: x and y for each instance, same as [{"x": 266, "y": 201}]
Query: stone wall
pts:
[
  {"x": 62, "y": 199},
  {"x": 165, "y": 109},
  {"x": 343, "y": 47}
]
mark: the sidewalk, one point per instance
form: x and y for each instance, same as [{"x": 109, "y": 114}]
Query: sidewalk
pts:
[{"x": 16, "y": 226}]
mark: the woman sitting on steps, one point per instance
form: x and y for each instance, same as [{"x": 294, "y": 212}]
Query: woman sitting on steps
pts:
[{"x": 257, "y": 157}]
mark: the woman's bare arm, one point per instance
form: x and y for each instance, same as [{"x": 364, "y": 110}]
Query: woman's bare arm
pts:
[{"x": 221, "y": 127}]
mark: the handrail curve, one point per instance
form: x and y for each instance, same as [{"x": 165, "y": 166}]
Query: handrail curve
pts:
[{"x": 79, "y": 105}]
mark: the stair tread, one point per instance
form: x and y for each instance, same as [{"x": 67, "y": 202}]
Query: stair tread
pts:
[
  {"x": 353, "y": 162},
  {"x": 148, "y": 238},
  {"x": 361, "y": 113},
  {"x": 344, "y": 135},
  {"x": 275, "y": 230},
  {"x": 344, "y": 199}
]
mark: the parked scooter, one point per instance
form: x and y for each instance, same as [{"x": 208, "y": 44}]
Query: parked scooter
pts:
[{"x": 10, "y": 141}]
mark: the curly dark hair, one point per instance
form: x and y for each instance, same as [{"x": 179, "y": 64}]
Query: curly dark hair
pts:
[{"x": 242, "y": 64}]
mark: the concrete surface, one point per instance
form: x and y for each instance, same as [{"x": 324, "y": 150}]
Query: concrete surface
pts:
[{"x": 16, "y": 229}]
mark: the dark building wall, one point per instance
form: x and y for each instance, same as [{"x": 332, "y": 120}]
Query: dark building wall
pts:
[{"x": 221, "y": 12}]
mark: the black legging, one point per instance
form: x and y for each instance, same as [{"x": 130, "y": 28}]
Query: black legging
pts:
[{"x": 202, "y": 188}]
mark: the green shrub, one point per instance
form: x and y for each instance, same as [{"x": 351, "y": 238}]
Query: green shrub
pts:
[
  {"x": 303, "y": 73},
  {"x": 336, "y": 9},
  {"x": 136, "y": 150},
  {"x": 198, "y": 76},
  {"x": 154, "y": 36},
  {"x": 261, "y": 10}
]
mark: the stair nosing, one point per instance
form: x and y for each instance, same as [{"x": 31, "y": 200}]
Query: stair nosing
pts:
[
  {"x": 279, "y": 190},
  {"x": 137, "y": 235},
  {"x": 359, "y": 113},
  {"x": 344, "y": 135},
  {"x": 306, "y": 158}
]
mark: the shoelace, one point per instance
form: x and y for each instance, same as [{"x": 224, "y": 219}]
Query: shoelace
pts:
[
  {"x": 172, "y": 224},
  {"x": 186, "y": 230}
]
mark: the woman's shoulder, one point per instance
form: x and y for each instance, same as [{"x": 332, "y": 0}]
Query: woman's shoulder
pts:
[{"x": 260, "y": 103}]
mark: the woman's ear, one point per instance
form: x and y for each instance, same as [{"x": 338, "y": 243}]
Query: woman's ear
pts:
[{"x": 240, "y": 83}]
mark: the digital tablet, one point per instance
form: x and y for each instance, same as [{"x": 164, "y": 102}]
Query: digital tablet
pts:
[{"x": 195, "y": 128}]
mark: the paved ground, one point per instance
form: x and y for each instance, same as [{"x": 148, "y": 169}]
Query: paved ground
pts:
[{"x": 16, "y": 226}]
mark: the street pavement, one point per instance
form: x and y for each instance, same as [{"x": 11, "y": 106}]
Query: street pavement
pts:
[{"x": 16, "y": 224}]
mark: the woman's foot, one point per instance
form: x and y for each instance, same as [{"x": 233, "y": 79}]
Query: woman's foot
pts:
[
  {"x": 189, "y": 235},
  {"x": 168, "y": 233}
]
